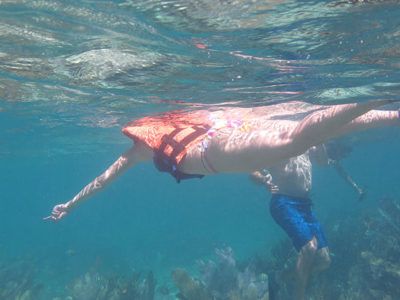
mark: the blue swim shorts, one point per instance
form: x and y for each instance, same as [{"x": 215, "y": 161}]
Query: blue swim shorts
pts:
[{"x": 296, "y": 218}]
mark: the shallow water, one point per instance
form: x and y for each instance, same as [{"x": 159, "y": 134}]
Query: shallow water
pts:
[{"x": 73, "y": 72}]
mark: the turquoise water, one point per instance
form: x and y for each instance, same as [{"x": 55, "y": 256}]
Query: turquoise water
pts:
[{"x": 72, "y": 73}]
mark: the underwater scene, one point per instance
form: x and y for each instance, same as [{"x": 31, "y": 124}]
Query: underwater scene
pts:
[{"x": 74, "y": 73}]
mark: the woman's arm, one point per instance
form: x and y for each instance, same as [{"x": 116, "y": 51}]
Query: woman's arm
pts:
[{"x": 125, "y": 161}]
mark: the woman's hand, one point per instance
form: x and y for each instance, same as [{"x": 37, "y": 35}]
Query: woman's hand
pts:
[{"x": 59, "y": 211}]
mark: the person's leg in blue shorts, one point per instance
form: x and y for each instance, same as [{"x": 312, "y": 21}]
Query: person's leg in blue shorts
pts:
[{"x": 296, "y": 218}]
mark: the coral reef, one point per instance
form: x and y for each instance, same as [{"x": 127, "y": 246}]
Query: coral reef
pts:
[
  {"x": 222, "y": 280},
  {"x": 94, "y": 286},
  {"x": 189, "y": 288}
]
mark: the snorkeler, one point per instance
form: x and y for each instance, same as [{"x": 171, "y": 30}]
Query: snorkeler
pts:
[
  {"x": 290, "y": 183},
  {"x": 227, "y": 140}
]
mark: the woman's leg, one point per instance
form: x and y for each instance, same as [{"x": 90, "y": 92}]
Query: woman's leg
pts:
[
  {"x": 234, "y": 150},
  {"x": 325, "y": 124},
  {"x": 372, "y": 119}
]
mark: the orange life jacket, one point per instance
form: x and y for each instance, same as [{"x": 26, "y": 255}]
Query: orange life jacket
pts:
[{"x": 171, "y": 135}]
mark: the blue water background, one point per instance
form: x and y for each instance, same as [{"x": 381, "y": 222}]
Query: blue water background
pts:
[{"x": 63, "y": 102}]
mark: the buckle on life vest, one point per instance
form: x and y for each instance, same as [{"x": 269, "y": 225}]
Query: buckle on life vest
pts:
[{"x": 166, "y": 161}]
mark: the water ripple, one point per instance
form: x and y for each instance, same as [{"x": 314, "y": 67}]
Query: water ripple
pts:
[{"x": 99, "y": 63}]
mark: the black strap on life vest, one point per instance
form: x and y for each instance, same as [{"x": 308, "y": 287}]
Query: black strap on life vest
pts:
[{"x": 168, "y": 163}]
